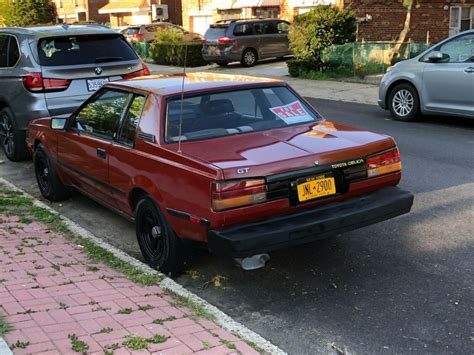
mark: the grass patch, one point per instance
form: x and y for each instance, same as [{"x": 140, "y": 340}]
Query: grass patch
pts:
[
  {"x": 157, "y": 339},
  {"x": 198, "y": 310},
  {"x": 20, "y": 344},
  {"x": 161, "y": 321},
  {"x": 146, "y": 307},
  {"x": 137, "y": 342},
  {"x": 228, "y": 344},
  {"x": 77, "y": 345},
  {"x": 125, "y": 311},
  {"x": 4, "y": 327},
  {"x": 106, "y": 330}
]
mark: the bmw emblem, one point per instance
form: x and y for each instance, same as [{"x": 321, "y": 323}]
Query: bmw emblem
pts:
[{"x": 98, "y": 70}]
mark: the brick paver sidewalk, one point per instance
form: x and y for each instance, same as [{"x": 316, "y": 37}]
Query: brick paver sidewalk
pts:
[{"x": 57, "y": 299}]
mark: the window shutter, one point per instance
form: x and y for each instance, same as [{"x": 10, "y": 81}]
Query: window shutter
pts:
[{"x": 454, "y": 20}]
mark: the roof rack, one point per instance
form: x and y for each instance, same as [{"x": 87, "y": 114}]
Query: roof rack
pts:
[{"x": 221, "y": 22}]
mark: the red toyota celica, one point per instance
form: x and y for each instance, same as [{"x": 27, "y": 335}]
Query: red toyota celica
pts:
[{"x": 242, "y": 165}]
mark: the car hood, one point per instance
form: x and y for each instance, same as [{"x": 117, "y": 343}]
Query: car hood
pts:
[{"x": 285, "y": 149}]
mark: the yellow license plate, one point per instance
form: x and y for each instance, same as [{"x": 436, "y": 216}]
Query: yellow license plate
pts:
[{"x": 316, "y": 187}]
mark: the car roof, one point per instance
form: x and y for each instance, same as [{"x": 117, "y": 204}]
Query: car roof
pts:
[
  {"x": 172, "y": 84},
  {"x": 54, "y": 31}
]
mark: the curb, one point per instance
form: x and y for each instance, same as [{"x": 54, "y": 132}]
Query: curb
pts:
[{"x": 220, "y": 318}]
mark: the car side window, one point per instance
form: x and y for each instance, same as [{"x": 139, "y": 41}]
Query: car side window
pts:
[
  {"x": 283, "y": 27},
  {"x": 100, "y": 117},
  {"x": 459, "y": 50},
  {"x": 130, "y": 123},
  {"x": 3, "y": 51},
  {"x": 264, "y": 28},
  {"x": 13, "y": 52},
  {"x": 244, "y": 29}
]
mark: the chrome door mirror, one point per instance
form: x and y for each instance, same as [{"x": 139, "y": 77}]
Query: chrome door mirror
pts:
[
  {"x": 58, "y": 123},
  {"x": 437, "y": 56}
]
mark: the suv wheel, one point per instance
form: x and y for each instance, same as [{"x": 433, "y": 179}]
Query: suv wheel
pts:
[
  {"x": 249, "y": 58},
  {"x": 403, "y": 102},
  {"x": 160, "y": 246},
  {"x": 13, "y": 141}
]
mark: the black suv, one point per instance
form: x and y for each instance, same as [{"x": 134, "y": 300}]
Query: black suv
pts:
[{"x": 246, "y": 41}]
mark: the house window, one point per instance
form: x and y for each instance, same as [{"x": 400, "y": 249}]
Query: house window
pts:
[
  {"x": 266, "y": 12},
  {"x": 461, "y": 18},
  {"x": 230, "y": 14}
]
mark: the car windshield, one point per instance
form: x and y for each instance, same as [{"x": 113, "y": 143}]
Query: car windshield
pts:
[
  {"x": 234, "y": 112},
  {"x": 77, "y": 50}
]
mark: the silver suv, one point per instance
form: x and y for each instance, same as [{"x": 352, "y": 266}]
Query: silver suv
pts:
[
  {"x": 438, "y": 81},
  {"x": 50, "y": 71}
]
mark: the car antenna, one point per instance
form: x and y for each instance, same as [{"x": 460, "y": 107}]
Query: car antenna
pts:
[{"x": 182, "y": 98}]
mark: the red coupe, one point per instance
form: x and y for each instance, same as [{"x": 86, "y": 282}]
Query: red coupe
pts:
[{"x": 239, "y": 164}]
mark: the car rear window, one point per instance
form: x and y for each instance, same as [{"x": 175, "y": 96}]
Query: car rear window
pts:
[
  {"x": 226, "y": 113},
  {"x": 76, "y": 50},
  {"x": 215, "y": 32},
  {"x": 132, "y": 31}
]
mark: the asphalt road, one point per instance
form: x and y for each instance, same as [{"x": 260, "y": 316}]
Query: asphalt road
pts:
[{"x": 401, "y": 286}]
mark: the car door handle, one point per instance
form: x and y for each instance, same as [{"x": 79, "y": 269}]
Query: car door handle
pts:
[
  {"x": 469, "y": 70},
  {"x": 101, "y": 153}
]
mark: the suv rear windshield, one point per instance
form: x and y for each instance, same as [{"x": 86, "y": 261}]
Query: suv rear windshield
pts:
[
  {"x": 216, "y": 32},
  {"x": 132, "y": 31},
  {"x": 76, "y": 50},
  {"x": 234, "y": 112}
]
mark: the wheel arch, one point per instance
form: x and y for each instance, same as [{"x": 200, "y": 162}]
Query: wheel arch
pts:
[
  {"x": 398, "y": 82},
  {"x": 143, "y": 187}
]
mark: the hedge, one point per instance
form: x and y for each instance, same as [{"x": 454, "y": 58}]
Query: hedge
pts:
[{"x": 174, "y": 53}]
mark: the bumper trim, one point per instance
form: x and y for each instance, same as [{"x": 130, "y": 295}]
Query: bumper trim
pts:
[{"x": 310, "y": 225}]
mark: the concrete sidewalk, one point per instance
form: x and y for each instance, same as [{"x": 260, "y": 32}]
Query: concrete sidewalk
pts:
[
  {"x": 320, "y": 89},
  {"x": 58, "y": 301}
]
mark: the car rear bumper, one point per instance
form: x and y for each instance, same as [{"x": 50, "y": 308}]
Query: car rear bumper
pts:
[{"x": 310, "y": 225}]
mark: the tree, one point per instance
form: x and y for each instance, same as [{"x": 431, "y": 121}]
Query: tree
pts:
[
  {"x": 318, "y": 29},
  {"x": 23, "y": 13},
  {"x": 406, "y": 27}
]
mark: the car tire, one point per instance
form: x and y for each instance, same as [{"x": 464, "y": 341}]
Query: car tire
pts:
[
  {"x": 13, "y": 140},
  {"x": 404, "y": 103},
  {"x": 222, "y": 63},
  {"x": 160, "y": 246},
  {"x": 49, "y": 183},
  {"x": 249, "y": 57}
]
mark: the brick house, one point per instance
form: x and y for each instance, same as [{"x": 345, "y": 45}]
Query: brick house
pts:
[
  {"x": 137, "y": 12},
  {"x": 431, "y": 21},
  {"x": 70, "y": 11},
  {"x": 199, "y": 14}
]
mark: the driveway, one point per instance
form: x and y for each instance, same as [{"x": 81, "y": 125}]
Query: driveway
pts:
[{"x": 405, "y": 285}]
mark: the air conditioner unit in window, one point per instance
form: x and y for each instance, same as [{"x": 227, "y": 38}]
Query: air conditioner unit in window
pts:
[{"x": 159, "y": 12}]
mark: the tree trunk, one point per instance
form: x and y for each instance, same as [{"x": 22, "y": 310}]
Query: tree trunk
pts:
[{"x": 405, "y": 30}]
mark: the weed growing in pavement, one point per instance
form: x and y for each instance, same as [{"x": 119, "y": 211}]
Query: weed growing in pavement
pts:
[
  {"x": 146, "y": 307},
  {"x": 125, "y": 311},
  {"x": 4, "y": 327},
  {"x": 157, "y": 339},
  {"x": 20, "y": 344},
  {"x": 254, "y": 346},
  {"x": 106, "y": 330},
  {"x": 228, "y": 344},
  {"x": 77, "y": 345},
  {"x": 161, "y": 321},
  {"x": 135, "y": 342},
  {"x": 206, "y": 345},
  {"x": 198, "y": 310},
  {"x": 63, "y": 306},
  {"x": 92, "y": 268}
]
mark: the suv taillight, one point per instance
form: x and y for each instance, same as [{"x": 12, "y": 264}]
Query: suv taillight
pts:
[
  {"x": 226, "y": 40},
  {"x": 137, "y": 36},
  {"x": 384, "y": 163},
  {"x": 142, "y": 72},
  {"x": 237, "y": 193},
  {"x": 35, "y": 82}
]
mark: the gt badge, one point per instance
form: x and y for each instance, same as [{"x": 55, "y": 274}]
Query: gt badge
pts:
[{"x": 243, "y": 170}]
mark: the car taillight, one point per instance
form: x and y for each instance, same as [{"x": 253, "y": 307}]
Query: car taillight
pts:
[
  {"x": 142, "y": 72},
  {"x": 384, "y": 163},
  {"x": 226, "y": 40},
  {"x": 137, "y": 36},
  {"x": 237, "y": 193},
  {"x": 35, "y": 82}
]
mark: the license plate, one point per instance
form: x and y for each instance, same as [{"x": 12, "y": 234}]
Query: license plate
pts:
[
  {"x": 96, "y": 84},
  {"x": 316, "y": 187}
]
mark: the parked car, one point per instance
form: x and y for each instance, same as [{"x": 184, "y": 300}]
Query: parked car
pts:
[
  {"x": 439, "y": 81},
  {"x": 48, "y": 71},
  {"x": 148, "y": 33},
  {"x": 246, "y": 41},
  {"x": 282, "y": 175}
]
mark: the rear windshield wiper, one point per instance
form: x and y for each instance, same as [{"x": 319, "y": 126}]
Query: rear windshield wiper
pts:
[{"x": 107, "y": 59}]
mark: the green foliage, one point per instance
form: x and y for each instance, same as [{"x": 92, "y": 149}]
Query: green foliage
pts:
[
  {"x": 318, "y": 29},
  {"x": 169, "y": 36},
  {"x": 174, "y": 54},
  {"x": 77, "y": 345},
  {"x": 4, "y": 327},
  {"x": 24, "y": 13}
]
